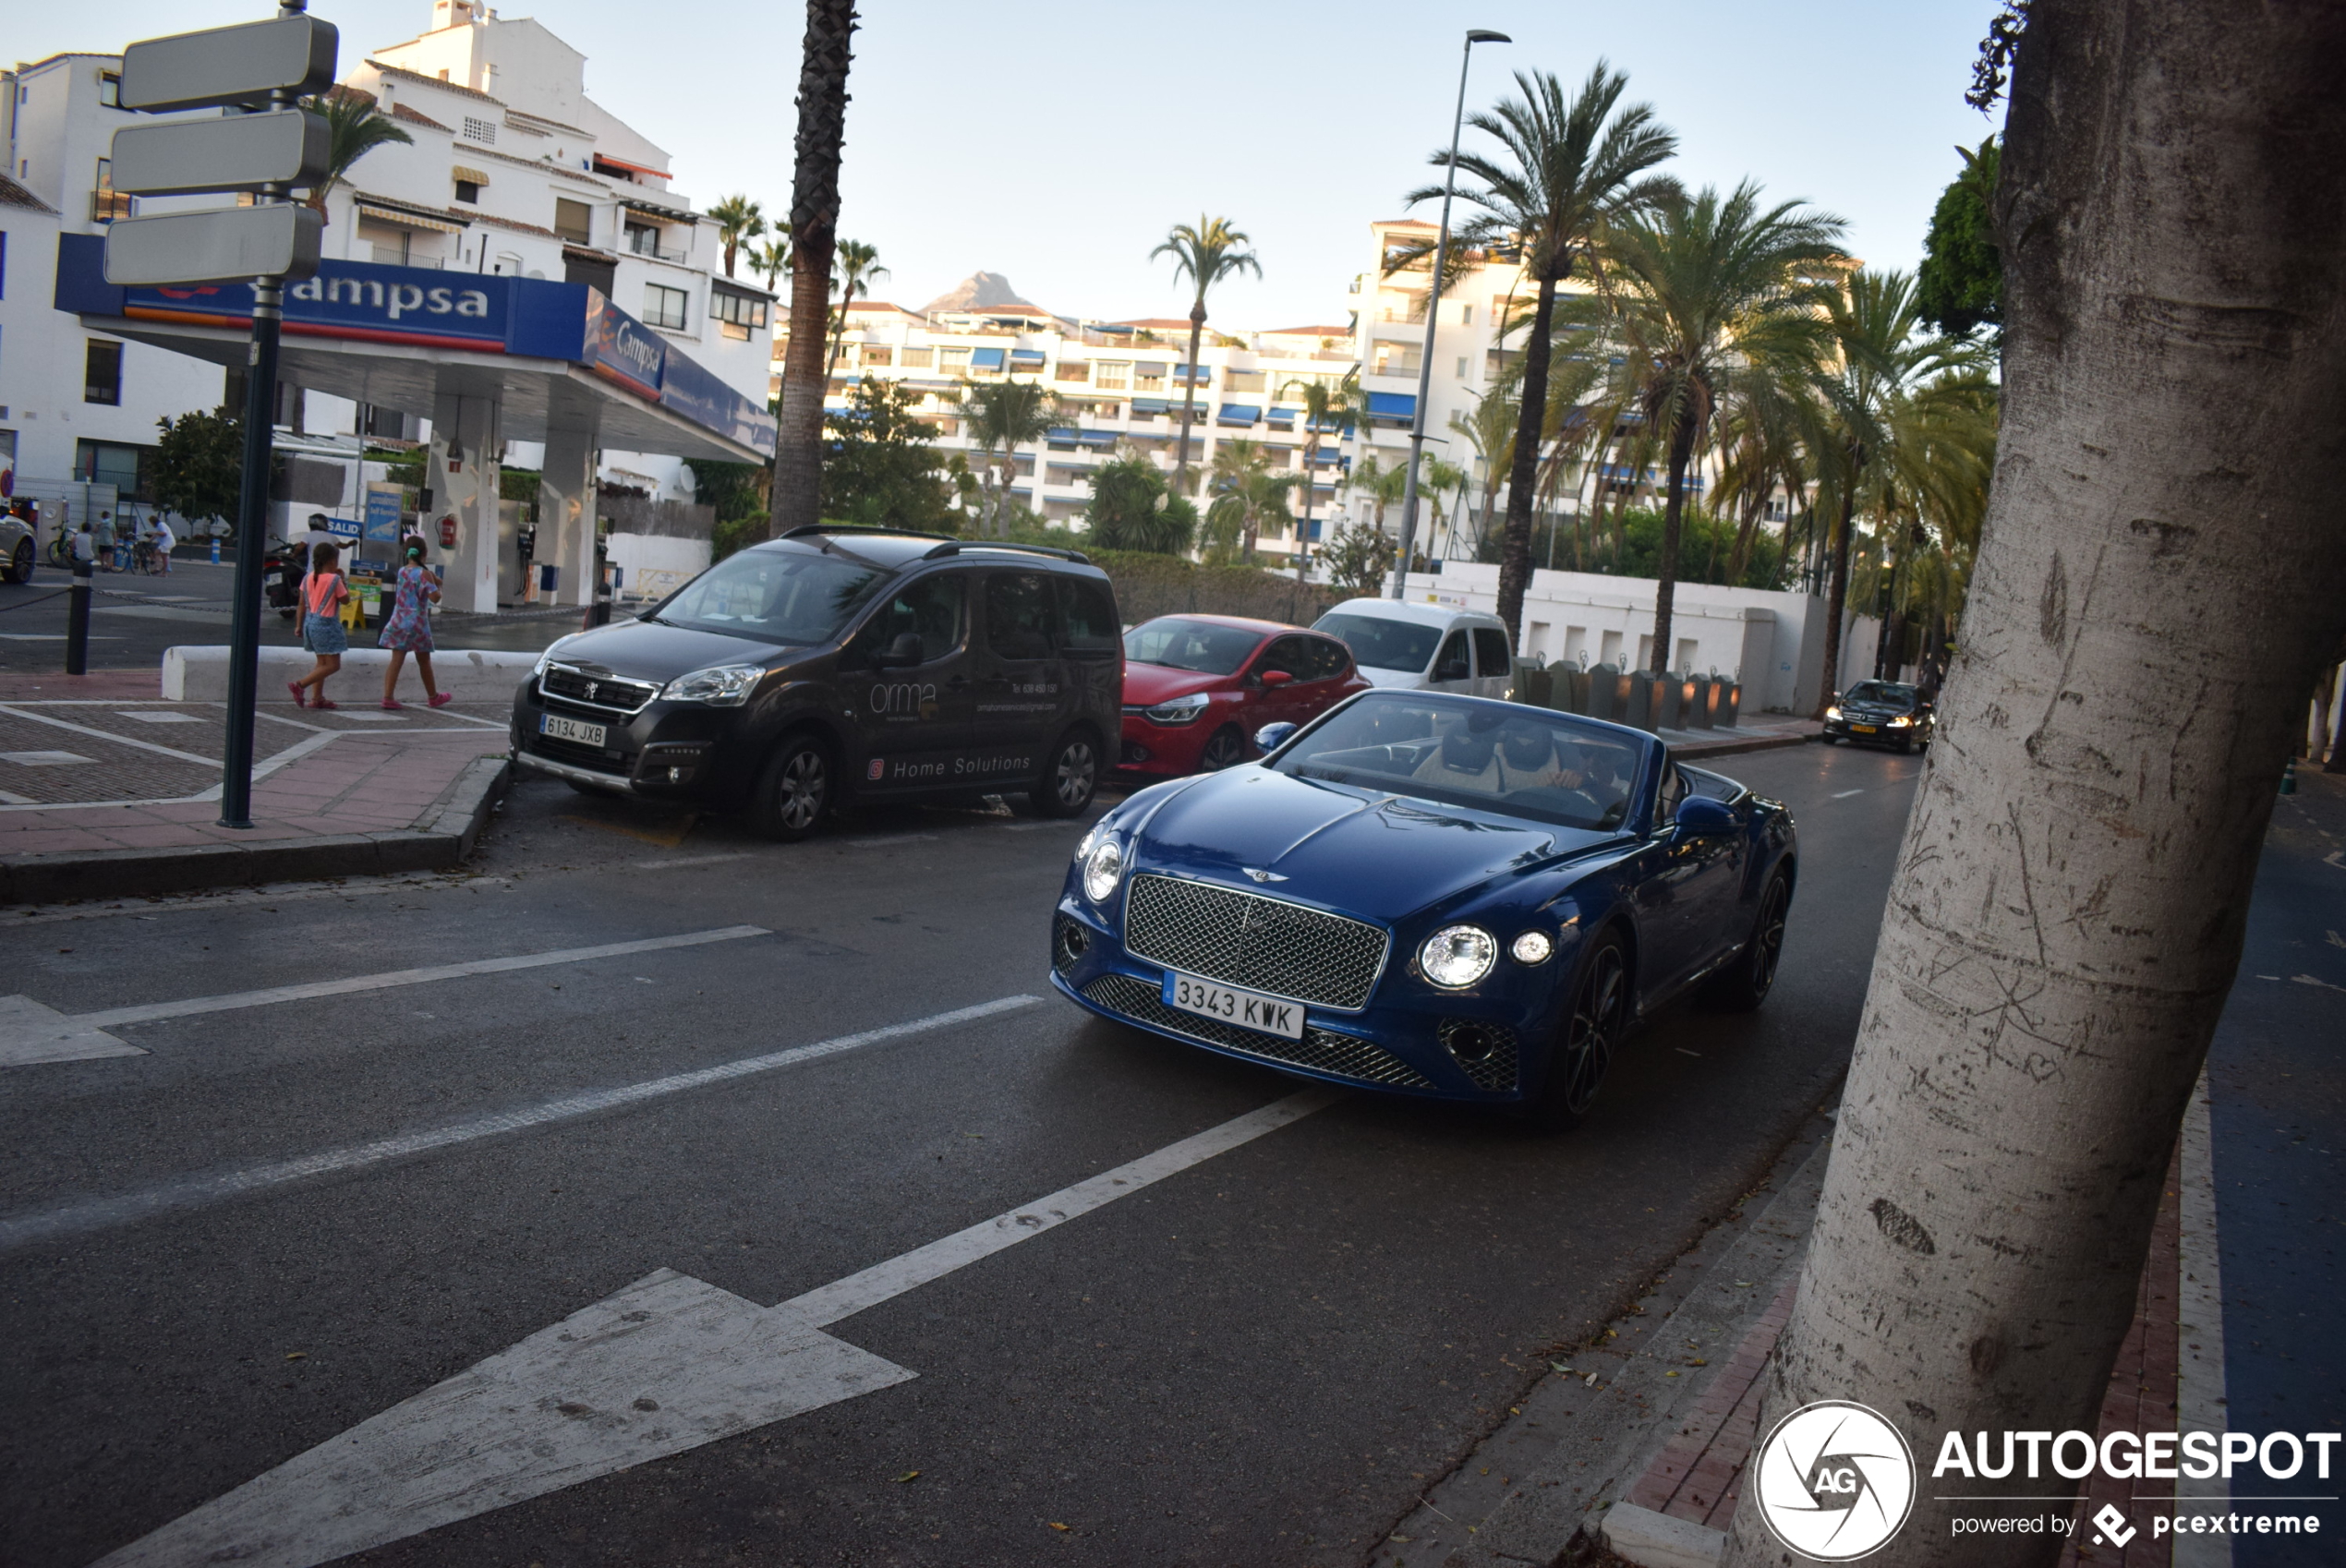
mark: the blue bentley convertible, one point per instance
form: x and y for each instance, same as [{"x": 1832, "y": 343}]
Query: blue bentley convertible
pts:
[{"x": 1431, "y": 894}]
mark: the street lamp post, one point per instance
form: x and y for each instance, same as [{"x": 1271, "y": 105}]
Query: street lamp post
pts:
[{"x": 1433, "y": 315}]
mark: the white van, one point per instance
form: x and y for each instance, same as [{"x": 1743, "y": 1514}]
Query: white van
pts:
[{"x": 1424, "y": 647}]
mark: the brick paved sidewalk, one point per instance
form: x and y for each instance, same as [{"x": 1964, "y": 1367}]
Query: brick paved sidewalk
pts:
[{"x": 106, "y": 790}]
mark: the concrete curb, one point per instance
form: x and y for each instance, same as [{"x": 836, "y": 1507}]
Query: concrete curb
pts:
[
  {"x": 1729, "y": 748},
  {"x": 198, "y": 672},
  {"x": 440, "y": 838},
  {"x": 1657, "y": 1540}
]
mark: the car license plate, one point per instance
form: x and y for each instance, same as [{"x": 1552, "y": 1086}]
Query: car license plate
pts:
[
  {"x": 1246, "y": 1008},
  {"x": 554, "y": 726},
  {"x": 1861, "y": 730}
]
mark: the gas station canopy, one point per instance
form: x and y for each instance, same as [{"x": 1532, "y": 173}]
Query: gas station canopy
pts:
[{"x": 556, "y": 358}]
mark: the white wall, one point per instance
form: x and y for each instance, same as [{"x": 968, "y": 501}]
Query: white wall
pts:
[{"x": 654, "y": 566}]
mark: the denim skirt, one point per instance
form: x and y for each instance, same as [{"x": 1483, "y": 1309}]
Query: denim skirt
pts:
[{"x": 325, "y": 634}]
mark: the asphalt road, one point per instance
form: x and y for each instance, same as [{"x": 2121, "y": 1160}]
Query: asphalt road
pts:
[
  {"x": 1263, "y": 1357},
  {"x": 134, "y": 617}
]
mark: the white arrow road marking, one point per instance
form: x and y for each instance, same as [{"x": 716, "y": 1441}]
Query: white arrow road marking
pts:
[
  {"x": 1847, "y": 794},
  {"x": 30, "y": 1032},
  {"x": 21, "y": 1031},
  {"x": 194, "y": 1193},
  {"x": 664, "y": 1366}
]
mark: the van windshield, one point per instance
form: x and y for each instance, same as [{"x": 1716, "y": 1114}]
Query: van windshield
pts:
[
  {"x": 1381, "y": 643},
  {"x": 785, "y": 596}
]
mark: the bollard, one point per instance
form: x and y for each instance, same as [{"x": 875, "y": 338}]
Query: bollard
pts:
[
  {"x": 2287, "y": 775},
  {"x": 215, "y": 549},
  {"x": 77, "y": 621}
]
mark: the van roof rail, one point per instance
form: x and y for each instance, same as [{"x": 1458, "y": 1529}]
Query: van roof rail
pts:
[
  {"x": 860, "y": 528},
  {"x": 955, "y": 547}
]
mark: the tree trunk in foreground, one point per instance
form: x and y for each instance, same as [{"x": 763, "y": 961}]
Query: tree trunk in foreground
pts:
[
  {"x": 814, "y": 216},
  {"x": 2161, "y": 576},
  {"x": 1514, "y": 545},
  {"x": 1837, "y": 584},
  {"x": 1674, "y": 515}
]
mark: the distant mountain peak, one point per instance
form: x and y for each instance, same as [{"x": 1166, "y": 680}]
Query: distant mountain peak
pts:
[{"x": 979, "y": 291}]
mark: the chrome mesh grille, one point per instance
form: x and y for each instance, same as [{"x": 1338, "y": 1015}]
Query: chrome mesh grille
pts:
[
  {"x": 1246, "y": 939},
  {"x": 1495, "y": 1068},
  {"x": 1322, "y": 1050}
]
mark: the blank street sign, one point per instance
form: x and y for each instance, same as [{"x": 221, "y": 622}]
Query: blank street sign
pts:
[
  {"x": 233, "y": 153},
  {"x": 230, "y": 64},
  {"x": 226, "y": 245}
]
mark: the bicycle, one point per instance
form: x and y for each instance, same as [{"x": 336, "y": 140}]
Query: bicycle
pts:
[{"x": 145, "y": 558}]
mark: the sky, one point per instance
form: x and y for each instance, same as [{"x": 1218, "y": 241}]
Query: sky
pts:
[{"x": 1055, "y": 144}]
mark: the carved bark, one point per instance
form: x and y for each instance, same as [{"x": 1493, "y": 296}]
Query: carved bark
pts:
[
  {"x": 814, "y": 215},
  {"x": 2161, "y": 576}
]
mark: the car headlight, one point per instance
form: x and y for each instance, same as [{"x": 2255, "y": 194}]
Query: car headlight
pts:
[
  {"x": 548, "y": 656},
  {"x": 1103, "y": 869},
  {"x": 1832, "y": 713},
  {"x": 1180, "y": 710},
  {"x": 1533, "y": 948},
  {"x": 1899, "y": 722},
  {"x": 1457, "y": 956},
  {"x": 720, "y": 685}
]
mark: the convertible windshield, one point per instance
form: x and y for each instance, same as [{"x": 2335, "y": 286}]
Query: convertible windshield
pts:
[
  {"x": 1189, "y": 645},
  {"x": 1523, "y": 762},
  {"x": 1381, "y": 643},
  {"x": 1882, "y": 693},
  {"x": 789, "y": 596}
]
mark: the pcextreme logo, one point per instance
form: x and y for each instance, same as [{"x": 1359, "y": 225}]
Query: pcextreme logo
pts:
[{"x": 1835, "y": 1481}]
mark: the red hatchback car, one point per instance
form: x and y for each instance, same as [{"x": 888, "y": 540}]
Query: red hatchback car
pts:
[{"x": 1197, "y": 687}]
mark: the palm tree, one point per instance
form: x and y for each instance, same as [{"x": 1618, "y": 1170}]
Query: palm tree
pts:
[
  {"x": 1567, "y": 169},
  {"x": 814, "y": 227},
  {"x": 1383, "y": 485},
  {"x": 1491, "y": 432},
  {"x": 354, "y": 128},
  {"x": 1896, "y": 407},
  {"x": 1001, "y": 416},
  {"x": 856, "y": 264},
  {"x": 1714, "y": 294},
  {"x": 1204, "y": 252},
  {"x": 1325, "y": 409},
  {"x": 1248, "y": 495},
  {"x": 1438, "y": 477},
  {"x": 738, "y": 219},
  {"x": 771, "y": 259}
]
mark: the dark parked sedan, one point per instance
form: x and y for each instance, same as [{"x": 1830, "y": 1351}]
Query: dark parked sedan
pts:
[{"x": 1885, "y": 713}]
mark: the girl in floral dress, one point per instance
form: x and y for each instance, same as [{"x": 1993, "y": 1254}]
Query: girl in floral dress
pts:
[{"x": 408, "y": 631}]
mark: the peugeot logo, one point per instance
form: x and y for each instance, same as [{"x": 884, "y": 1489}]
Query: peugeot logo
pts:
[
  {"x": 592, "y": 687},
  {"x": 1263, "y": 875}
]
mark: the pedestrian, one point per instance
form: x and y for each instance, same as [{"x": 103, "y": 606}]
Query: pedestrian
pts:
[
  {"x": 85, "y": 546},
  {"x": 108, "y": 546},
  {"x": 164, "y": 539},
  {"x": 407, "y": 630},
  {"x": 321, "y": 599}
]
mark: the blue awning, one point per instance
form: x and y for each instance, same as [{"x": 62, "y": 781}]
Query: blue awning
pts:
[
  {"x": 1199, "y": 373},
  {"x": 1284, "y": 416},
  {"x": 1393, "y": 406},
  {"x": 1026, "y": 356},
  {"x": 1150, "y": 406},
  {"x": 1237, "y": 414},
  {"x": 1328, "y": 454},
  {"x": 1096, "y": 438},
  {"x": 1062, "y": 433},
  {"x": 986, "y": 358},
  {"x": 1329, "y": 423}
]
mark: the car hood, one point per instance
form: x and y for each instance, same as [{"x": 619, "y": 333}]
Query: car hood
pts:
[
  {"x": 1408, "y": 680},
  {"x": 1148, "y": 685},
  {"x": 646, "y": 650},
  {"x": 1376, "y": 856}
]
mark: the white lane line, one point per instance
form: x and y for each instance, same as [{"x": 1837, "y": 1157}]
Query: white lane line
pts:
[
  {"x": 17, "y": 709},
  {"x": 2199, "y": 1344},
  {"x": 881, "y": 840},
  {"x": 844, "y": 1298},
  {"x": 1847, "y": 794},
  {"x": 75, "y": 1219},
  {"x": 687, "y": 859},
  {"x": 271, "y": 893},
  {"x": 659, "y": 1367}
]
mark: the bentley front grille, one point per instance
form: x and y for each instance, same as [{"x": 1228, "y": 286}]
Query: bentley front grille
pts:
[
  {"x": 1248, "y": 940},
  {"x": 1322, "y": 1050}
]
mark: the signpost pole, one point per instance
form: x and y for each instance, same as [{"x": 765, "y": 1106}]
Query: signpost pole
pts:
[{"x": 252, "y": 525}]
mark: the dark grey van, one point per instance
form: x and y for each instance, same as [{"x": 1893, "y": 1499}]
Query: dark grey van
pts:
[{"x": 840, "y": 664}]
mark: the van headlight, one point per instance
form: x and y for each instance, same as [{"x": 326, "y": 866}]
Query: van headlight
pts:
[
  {"x": 1457, "y": 956},
  {"x": 720, "y": 685},
  {"x": 1103, "y": 869},
  {"x": 548, "y": 656},
  {"x": 1180, "y": 710}
]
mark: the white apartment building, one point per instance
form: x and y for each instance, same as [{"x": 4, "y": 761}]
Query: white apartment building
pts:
[
  {"x": 510, "y": 170},
  {"x": 1119, "y": 383}
]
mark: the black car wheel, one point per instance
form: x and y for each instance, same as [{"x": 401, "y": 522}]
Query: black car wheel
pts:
[
  {"x": 20, "y": 564},
  {"x": 1227, "y": 749},
  {"x": 1743, "y": 985},
  {"x": 1069, "y": 778},
  {"x": 793, "y": 791},
  {"x": 1591, "y": 1032}
]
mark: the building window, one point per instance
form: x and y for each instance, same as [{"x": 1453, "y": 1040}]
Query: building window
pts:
[
  {"x": 101, "y": 372},
  {"x": 108, "y": 463},
  {"x": 665, "y": 307},
  {"x": 482, "y": 131},
  {"x": 1243, "y": 382},
  {"x": 466, "y": 190},
  {"x": 877, "y": 354},
  {"x": 740, "y": 312},
  {"x": 1148, "y": 377},
  {"x": 956, "y": 360},
  {"x": 104, "y": 205},
  {"x": 572, "y": 220},
  {"x": 1466, "y": 315},
  {"x": 109, "y": 90},
  {"x": 1111, "y": 375},
  {"x": 919, "y": 358},
  {"x": 1461, "y": 367}
]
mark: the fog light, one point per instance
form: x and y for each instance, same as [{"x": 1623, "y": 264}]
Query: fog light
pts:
[
  {"x": 1471, "y": 1043},
  {"x": 1532, "y": 947}
]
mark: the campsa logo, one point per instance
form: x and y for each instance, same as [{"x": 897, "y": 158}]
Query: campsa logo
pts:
[
  {"x": 1835, "y": 1481},
  {"x": 638, "y": 352},
  {"x": 394, "y": 300}
]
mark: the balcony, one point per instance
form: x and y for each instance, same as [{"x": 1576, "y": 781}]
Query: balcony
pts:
[{"x": 645, "y": 242}]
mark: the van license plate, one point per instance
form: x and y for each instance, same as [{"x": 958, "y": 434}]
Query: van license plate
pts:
[
  {"x": 554, "y": 726},
  {"x": 1245, "y": 1008}
]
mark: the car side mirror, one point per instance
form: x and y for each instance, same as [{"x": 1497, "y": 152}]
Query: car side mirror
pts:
[
  {"x": 1271, "y": 736},
  {"x": 1275, "y": 678},
  {"x": 1701, "y": 816},
  {"x": 905, "y": 650}
]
